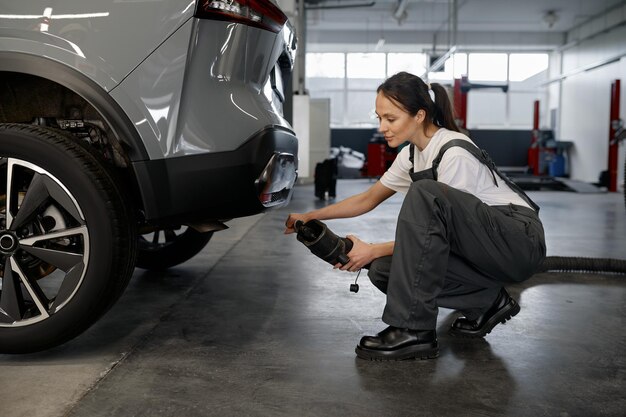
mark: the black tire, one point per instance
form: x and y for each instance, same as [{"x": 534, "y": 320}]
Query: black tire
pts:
[
  {"x": 165, "y": 248},
  {"x": 54, "y": 288}
]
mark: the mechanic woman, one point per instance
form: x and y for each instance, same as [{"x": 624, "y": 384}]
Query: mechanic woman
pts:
[{"x": 464, "y": 230}]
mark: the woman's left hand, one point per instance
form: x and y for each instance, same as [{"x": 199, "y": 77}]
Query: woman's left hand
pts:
[{"x": 361, "y": 254}]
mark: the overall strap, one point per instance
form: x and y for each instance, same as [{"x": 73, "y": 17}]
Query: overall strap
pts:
[
  {"x": 426, "y": 174},
  {"x": 476, "y": 152},
  {"x": 481, "y": 155}
]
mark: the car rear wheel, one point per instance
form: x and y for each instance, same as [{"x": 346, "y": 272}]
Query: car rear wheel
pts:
[
  {"x": 67, "y": 242},
  {"x": 164, "y": 248}
]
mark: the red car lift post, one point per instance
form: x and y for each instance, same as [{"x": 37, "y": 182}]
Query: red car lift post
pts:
[
  {"x": 460, "y": 102},
  {"x": 613, "y": 144},
  {"x": 533, "y": 150}
]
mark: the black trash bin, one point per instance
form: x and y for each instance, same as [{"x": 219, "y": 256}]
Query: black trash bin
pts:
[{"x": 326, "y": 178}]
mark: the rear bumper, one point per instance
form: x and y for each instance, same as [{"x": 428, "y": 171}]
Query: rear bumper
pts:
[{"x": 258, "y": 175}]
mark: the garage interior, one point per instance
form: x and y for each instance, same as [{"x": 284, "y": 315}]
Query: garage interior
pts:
[{"x": 256, "y": 325}]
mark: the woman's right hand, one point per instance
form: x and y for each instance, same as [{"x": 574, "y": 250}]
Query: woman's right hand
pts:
[{"x": 292, "y": 219}]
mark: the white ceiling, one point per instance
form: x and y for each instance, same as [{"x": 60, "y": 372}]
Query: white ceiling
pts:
[{"x": 480, "y": 23}]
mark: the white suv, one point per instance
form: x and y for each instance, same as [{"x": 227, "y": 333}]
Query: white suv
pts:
[{"x": 129, "y": 133}]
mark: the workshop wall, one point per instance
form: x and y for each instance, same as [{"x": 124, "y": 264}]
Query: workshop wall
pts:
[{"x": 585, "y": 95}]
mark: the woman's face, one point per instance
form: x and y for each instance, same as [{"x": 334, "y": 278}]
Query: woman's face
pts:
[{"x": 395, "y": 123}]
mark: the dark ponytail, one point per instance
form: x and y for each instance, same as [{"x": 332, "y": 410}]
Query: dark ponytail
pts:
[
  {"x": 444, "y": 116},
  {"x": 412, "y": 93}
]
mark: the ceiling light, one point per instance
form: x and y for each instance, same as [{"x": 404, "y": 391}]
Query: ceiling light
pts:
[{"x": 550, "y": 17}]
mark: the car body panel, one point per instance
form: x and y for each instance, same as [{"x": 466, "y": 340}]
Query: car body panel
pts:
[
  {"x": 229, "y": 88},
  {"x": 150, "y": 95},
  {"x": 99, "y": 36},
  {"x": 198, "y": 93},
  {"x": 54, "y": 48}
]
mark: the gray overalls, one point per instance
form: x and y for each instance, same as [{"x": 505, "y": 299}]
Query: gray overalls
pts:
[{"x": 454, "y": 251}]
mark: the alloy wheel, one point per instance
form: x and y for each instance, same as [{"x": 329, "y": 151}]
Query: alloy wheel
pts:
[{"x": 44, "y": 244}]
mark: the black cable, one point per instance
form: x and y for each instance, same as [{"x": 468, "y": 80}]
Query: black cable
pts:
[{"x": 355, "y": 287}]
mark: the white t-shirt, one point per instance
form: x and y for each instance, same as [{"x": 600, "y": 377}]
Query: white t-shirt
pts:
[{"x": 458, "y": 168}]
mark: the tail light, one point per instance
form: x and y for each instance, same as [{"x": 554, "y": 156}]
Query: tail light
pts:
[{"x": 258, "y": 13}]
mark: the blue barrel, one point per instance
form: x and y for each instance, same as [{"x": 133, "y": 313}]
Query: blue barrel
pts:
[{"x": 557, "y": 166}]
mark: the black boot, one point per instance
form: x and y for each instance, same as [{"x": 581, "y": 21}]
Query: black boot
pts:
[
  {"x": 398, "y": 344},
  {"x": 500, "y": 311}
]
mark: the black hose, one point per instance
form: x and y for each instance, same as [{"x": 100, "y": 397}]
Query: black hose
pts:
[{"x": 574, "y": 264}]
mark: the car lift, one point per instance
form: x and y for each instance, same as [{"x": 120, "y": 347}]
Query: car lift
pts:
[{"x": 535, "y": 177}]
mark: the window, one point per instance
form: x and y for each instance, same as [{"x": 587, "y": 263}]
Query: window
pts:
[
  {"x": 366, "y": 65},
  {"x": 360, "y": 108},
  {"x": 456, "y": 64},
  {"x": 524, "y": 66},
  {"x": 487, "y": 67},
  {"x": 412, "y": 63},
  {"x": 350, "y": 79},
  {"x": 325, "y": 65},
  {"x": 337, "y": 108},
  {"x": 460, "y": 65}
]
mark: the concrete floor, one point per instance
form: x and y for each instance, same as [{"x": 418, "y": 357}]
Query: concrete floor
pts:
[{"x": 257, "y": 326}]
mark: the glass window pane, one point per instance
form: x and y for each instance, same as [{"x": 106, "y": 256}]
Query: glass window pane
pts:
[
  {"x": 364, "y": 84},
  {"x": 487, "y": 67},
  {"x": 360, "y": 108},
  {"x": 522, "y": 108},
  {"x": 324, "y": 84},
  {"x": 523, "y": 66},
  {"x": 412, "y": 63},
  {"x": 336, "y": 105},
  {"x": 486, "y": 109},
  {"x": 370, "y": 65},
  {"x": 325, "y": 65},
  {"x": 460, "y": 65},
  {"x": 456, "y": 64},
  {"x": 444, "y": 74}
]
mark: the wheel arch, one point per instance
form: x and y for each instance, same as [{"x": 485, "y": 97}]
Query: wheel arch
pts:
[{"x": 76, "y": 83}]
